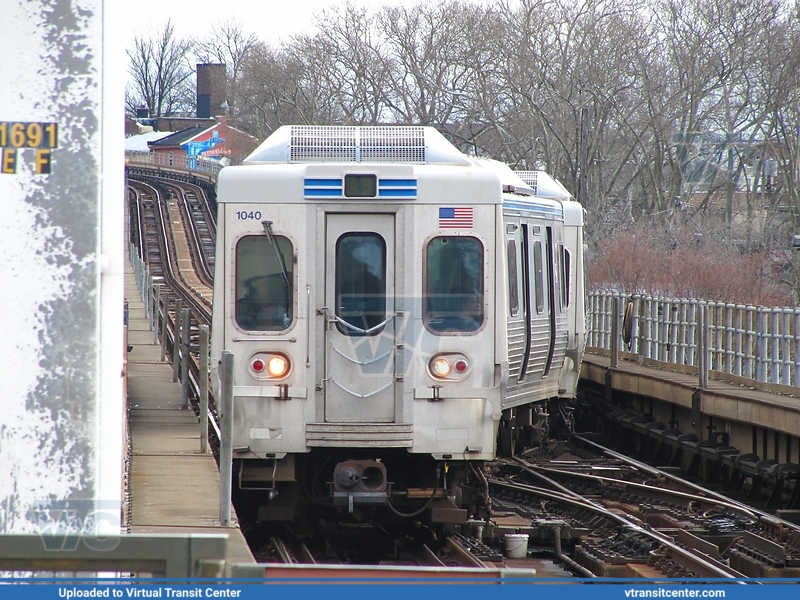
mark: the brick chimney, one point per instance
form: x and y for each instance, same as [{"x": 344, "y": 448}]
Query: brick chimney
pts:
[{"x": 211, "y": 83}]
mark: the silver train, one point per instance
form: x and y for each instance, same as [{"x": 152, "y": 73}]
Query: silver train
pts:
[{"x": 398, "y": 312}]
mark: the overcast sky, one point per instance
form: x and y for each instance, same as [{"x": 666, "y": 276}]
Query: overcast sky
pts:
[{"x": 270, "y": 20}]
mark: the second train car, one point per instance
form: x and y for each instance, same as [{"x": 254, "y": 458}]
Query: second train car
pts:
[{"x": 399, "y": 312}]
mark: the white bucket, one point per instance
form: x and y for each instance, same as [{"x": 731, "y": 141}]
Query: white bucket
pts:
[{"x": 516, "y": 545}]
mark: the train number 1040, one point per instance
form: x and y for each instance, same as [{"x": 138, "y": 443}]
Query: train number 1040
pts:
[{"x": 244, "y": 215}]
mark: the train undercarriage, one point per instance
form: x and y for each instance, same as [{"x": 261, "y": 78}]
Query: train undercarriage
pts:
[{"x": 401, "y": 484}]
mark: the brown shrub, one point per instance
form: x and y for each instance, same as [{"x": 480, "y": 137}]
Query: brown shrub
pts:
[{"x": 642, "y": 260}]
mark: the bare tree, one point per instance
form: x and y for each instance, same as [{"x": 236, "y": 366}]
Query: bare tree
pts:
[
  {"x": 656, "y": 113},
  {"x": 780, "y": 79},
  {"x": 281, "y": 87},
  {"x": 351, "y": 63},
  {"x": 161, "y": 73}
]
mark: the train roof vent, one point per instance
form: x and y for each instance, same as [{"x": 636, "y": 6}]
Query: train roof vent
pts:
[
  {"x": 357, "y": 144},
  {"x": 395, "y": 144},
  {"x": 544, "y": 186}
]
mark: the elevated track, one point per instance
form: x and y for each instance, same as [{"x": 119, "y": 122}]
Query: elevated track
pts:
[{"x": 601, "y": 515}]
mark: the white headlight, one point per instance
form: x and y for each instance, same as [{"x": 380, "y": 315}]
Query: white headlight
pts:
[{"x": 441, "y": 367}]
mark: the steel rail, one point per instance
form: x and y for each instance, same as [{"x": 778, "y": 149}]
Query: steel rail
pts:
[
  {"x": 199, "y": 258},
  {"x": 762, "y": 515},
  {"x": 651, "y": 490},
  {"x": 703, "y": 567}
]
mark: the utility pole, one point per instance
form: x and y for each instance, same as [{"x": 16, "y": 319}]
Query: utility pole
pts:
[{"x": 583, "y": 158}]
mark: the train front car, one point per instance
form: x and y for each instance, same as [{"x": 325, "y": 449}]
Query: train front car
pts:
[{"x": 361, "y": 285}]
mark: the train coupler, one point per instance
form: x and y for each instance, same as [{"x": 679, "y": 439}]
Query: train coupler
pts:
[{"x": 359, "y": 482}]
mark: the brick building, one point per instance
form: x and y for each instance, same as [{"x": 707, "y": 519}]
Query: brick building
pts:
[{"x": 233, "y": 144}]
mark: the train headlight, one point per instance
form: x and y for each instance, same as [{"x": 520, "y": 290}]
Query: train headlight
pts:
[
  {"x": 440, "y": 367},
  {"x": 270, "y": 365},
  {"x": 278, "y": 366},
  {"x": 450, "y": 366}
]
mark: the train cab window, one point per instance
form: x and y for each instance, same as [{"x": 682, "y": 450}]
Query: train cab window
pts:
[
  {"x": 513, "y": 280},
  {"x": 360, "y": 283},
  {"x": 538, "y": 276},
  {"x": 264, "y": 284},
  {"x": 453, "y": 297}
]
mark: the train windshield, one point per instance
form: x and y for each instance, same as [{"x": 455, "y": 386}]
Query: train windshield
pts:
[
  {"x": 264, "y": 285},
  {"x": 454, "y": 299},
  {"x": 360, "y": 283}
]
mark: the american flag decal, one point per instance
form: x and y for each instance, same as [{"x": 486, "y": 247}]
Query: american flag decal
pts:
[{"x": 458, "y": 217}]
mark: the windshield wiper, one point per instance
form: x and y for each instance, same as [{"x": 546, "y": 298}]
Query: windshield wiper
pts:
[{"x": 281, "y": 261}]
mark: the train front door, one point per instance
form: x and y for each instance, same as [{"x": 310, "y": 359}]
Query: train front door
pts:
[{"x": 360, "y": 322}]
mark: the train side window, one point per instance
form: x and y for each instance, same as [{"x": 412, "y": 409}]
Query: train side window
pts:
[
  {"x": 264, "y": 283},
  {"x": 539, "y": 276},
  {"x": 453, "y": 297},
  {"x": 513, "y": 281},
  {"x": 565, "y": 268},
  {"x": 360, "y": 283}
]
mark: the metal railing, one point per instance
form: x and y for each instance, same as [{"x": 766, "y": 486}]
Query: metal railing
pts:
[
  {"x": 176, "y": 341},
  {"x": 133, "y": 555},
  {"x": 186, "y": 558},
  {"x": 734, "y": 340},
  {"x": 183, "y": 162}
]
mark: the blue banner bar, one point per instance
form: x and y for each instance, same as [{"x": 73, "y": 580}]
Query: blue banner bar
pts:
[{"x": 399, "y": 589}]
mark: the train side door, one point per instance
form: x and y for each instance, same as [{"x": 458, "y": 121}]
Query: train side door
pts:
[
  {"x": 519, "y": 325},
  {"x": 537, "y": 291},
  {"x": 551, "y": 275},
  {"x": 360, "y": 323}
]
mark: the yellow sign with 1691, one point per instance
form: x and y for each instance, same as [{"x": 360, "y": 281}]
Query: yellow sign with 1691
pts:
[{"x": 18, "y": 135}]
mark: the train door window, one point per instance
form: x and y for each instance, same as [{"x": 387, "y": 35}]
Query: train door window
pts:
[
  {"x": 264, "y": 284},
  {"x": 513, "y": 280},
  {"x": 360, "y": 283},
  {"x": 538, "y": 276},
  {"x": 565, "y": 270},
  {"x": 453, "y": 296}
]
